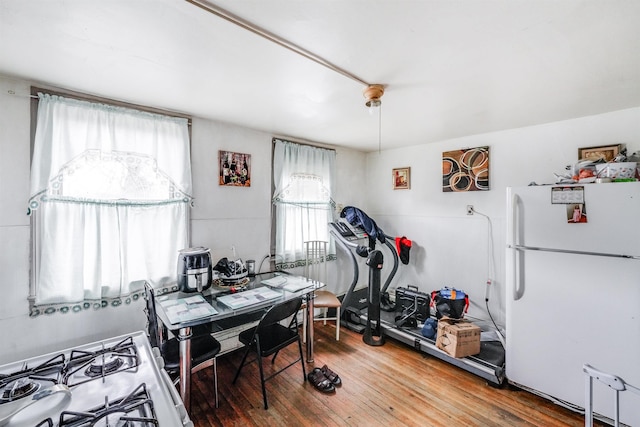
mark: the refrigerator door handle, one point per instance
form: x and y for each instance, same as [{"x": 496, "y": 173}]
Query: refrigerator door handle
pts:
[
  {"x": 514, "y": 216},
  {"x": 516, "y": 253}
]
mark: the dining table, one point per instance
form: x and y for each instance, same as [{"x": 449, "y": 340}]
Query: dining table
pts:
[{"x": 180, "y": 311}]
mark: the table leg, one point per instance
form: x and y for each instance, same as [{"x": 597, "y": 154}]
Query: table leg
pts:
[
  {"x": 310, "y": 297},
  {"x": 184, "y": 336}
]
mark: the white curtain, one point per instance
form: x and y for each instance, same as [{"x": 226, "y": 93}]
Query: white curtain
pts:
[
  {"x": 304, "y": 184},
  {"x": 110, "y": 193}
]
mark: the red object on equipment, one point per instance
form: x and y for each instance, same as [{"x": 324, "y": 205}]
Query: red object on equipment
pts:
[{"x": 403, "y": 246}]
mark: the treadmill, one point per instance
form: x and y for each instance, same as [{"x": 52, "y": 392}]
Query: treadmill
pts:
[{"x": 489, "y": 364}]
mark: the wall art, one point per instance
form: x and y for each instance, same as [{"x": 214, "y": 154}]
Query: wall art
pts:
[
  {"x": 465, "y": 170},
  {"x": 607, "y": 153},
  {"x": 235, "y": 169},
  {"x": 401, "y": 178}
]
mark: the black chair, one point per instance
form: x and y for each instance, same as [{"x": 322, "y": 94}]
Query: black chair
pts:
[
  {"x": 204, "y": 348},
  {"x": 269, "y": 337}
]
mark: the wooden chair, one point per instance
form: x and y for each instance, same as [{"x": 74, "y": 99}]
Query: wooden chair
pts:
[
  {"x": 316, "y": 269},
  {"x": 613, "y": 382},
  {"x": 204, "y": 348},
  {"x": 270, "y": 336}
]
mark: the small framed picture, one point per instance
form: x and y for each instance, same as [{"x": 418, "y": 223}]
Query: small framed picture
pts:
[
  {"x": 401, "y": 178},
  {"x": 608, "y": 152},
  {"x": 235, "y": 169},
  {"x": 576, "y": 213}
]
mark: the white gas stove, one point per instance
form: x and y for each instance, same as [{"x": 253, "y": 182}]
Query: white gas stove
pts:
[{"x": 115, "y": 382}]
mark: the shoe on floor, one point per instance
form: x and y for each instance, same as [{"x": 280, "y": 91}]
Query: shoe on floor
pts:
[
  {"x": 331, "y": 376},
  {"x": 320, "y": 381}
]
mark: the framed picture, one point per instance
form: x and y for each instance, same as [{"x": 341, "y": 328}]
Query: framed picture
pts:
[
  {"x": 235, "y": 169},
  {"x": 608, "y": 152},
  {"x": 401, "y": 178},
  {"x": 465, "y": 170}
]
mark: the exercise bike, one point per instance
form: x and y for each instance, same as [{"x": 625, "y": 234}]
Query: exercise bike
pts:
[{"x": 349, "y": 238}]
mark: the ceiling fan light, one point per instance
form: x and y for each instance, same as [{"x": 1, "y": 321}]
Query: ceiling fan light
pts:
[
  {"x": 373, "y": 103},
  {"x": 372, "y": 94}
]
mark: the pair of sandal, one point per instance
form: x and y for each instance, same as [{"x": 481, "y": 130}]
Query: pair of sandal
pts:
[{"x": 324, "y": 379}]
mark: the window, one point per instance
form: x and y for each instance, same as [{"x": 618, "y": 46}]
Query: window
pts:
[
  {"x": 110, "y": 193},
  {"x": 303, "y": 180}
]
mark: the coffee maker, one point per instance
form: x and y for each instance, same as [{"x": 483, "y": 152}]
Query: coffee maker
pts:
[{"x": 194, "y": 269}]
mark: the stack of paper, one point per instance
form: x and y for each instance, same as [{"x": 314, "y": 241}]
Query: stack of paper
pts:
[
  {"x": 297, "y": 283},
  {"x": 185, "y": 309},
  {"x": 275, "y": 282},
  {"x": 250, "y": 297}
]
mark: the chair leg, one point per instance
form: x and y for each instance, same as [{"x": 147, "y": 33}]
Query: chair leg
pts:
[
  {"x": 304, "y": 373},
  {"x": 337, "y": 323},
  {"x": 262, "y": 381},
  {"x": 244, "y": 358},
  {"x": 215, "y": 379},
  {"x": 264, "y": 387}
]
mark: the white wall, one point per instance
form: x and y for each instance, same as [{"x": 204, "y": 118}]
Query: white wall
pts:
[
  {"x": 222, "y": 217},
  {"x": 450, "y": 248}
]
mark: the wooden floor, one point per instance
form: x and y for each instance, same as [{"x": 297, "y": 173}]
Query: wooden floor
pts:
[{"x": 391, "y": 385}]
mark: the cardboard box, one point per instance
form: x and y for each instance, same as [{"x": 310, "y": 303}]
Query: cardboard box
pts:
[{"x": 458, "y": 338}]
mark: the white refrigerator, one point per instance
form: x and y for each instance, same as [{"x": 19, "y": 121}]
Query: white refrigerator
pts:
[{"x": 573, "y": 291}]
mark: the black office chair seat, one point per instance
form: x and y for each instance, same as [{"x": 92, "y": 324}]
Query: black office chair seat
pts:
[
  {"x": 203, "y": 349},
  {"x": 269, "y": 337}
]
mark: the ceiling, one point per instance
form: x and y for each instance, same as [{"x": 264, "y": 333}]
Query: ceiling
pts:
[{"x": 450, "y": 67}]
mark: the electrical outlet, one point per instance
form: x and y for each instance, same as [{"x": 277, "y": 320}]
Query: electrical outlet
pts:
[{"x": 469, "y": 209}]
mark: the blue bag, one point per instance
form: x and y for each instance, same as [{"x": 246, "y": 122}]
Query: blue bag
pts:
[{"x": 450, "y": 302}]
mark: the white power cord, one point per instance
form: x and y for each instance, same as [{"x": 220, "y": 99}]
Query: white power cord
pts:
[{"x": 490, "y": 272}]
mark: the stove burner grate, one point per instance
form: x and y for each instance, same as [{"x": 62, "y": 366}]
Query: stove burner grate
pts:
[
  {"x": 135, "y": 409},
  {"x": 49, "y": 371},
  {"x": 22, "y": 387},
  {"x": 95, "y": 364},
  {"x": 101, "y": 367}
]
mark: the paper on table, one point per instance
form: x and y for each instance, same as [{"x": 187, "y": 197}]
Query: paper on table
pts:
[
  {"x": 275, "y": 282},
  {"x": 184, "y": 309},
  {"x": 247, "y": 298},
  {"x": 297, "y": 283}
]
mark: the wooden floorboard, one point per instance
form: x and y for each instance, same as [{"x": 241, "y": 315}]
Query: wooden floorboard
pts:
[{"x": 389, "y": 385}]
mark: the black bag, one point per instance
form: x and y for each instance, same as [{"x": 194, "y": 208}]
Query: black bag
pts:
[
  {"x": 231, "y": 270},
  {"x": 450, "y": 302},
  {"x": 412, "y": 306}
]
